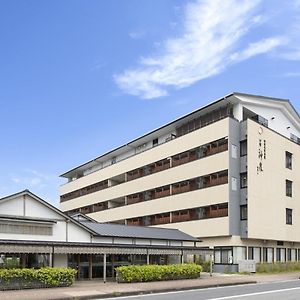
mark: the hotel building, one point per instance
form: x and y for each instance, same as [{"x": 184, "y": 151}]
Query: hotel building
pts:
[{"x": 225, "y": 173}]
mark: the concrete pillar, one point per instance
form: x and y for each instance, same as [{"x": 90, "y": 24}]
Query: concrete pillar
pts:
[
  {"x": 78, "y": 266},
  {"x": 90, "y": 266},
  {"x": 50, "y": 259},
  {"x": 148, "y": 258},
  {"x": 104, "y": 268},
  {"x": 23, "y": 260},
  {"x": 112, "y": 265},
  {"x": 182, "y": 258}
]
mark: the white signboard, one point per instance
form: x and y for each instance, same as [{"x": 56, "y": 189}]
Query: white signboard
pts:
[{"x": 248, "y": 266}]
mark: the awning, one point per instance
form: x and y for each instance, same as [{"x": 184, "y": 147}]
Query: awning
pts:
[
  {"x": 98, "y": 250},
  {"x": 25, "y": 249}
]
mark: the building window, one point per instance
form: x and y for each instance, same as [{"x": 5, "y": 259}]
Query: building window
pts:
[
  {"x": 155, "y": 142},
  {"x": 280, "y": 254},
  {"x": 223, "y": 255},
  {"x": 254, "y": 253},
  {"x": 243, "y": 148},
  {"x": 243, "y": 179},
  {"x": 288, "y": 188},
  {"x": 289, "y": 216},
  {"x": 244, "y": 212},
  {"x": 289, "y": 254},
  {"x": 288, "y": 160},
  {"x": 22, "y": 228}
]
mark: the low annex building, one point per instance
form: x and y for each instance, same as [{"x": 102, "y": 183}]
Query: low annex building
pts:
[{"x": 33, "y": 233}]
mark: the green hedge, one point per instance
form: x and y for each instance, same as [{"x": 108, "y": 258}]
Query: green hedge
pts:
[
  {"x": 157, "y": 272},
  {"x": 33, "y": 278},
  {"x": 277, "y": 267}
]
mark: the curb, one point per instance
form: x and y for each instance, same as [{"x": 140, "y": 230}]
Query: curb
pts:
[{"x": 136, "y": 293}]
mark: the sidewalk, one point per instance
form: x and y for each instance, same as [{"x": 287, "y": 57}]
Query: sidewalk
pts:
[{"x": 97, "y": 289}]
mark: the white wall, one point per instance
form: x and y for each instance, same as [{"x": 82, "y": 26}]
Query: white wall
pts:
[{"x": 12, "y": 207}]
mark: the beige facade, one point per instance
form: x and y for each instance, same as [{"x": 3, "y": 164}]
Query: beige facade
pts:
[
  {"x": 219, "y": 174},
  {"x": 267, "y": 200}
]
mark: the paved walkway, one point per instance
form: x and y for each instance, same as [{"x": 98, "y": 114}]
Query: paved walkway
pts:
[{"x": 97, "y": 289}]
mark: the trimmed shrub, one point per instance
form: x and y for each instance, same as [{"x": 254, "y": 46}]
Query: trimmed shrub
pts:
[
  {"x": 277, "y": 267},
  {"x": 205, "y": 264},
  {"x": 146, "y": 273},
  {"x": 36, "y": 278}
]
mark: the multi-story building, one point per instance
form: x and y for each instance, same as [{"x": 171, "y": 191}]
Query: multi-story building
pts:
[{"x": 225, "y": 173}]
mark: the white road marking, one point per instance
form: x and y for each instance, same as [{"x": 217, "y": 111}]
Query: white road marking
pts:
[
  {"x": 255, "y": 294},
  {"x": 212, "y": 288}
]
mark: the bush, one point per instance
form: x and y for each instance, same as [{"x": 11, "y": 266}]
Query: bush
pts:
[
  {"x": 205, "y": 264},
  {"x": 157, "y": 272},
  {"x": 32, "y": 278},
  {"x": 277, "y": 267}
]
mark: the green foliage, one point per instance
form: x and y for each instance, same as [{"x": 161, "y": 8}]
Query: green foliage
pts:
[
  {"x": 157, "y": 272},
  {"x": 11, "y": 262},
  {"x": 204, "y": 264},
  {"x": 277, "y": 267},
  {"x": 49, "y": 277}
]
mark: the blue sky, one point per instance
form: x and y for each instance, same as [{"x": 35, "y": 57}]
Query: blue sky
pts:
[{"x": 78, "y": 78}]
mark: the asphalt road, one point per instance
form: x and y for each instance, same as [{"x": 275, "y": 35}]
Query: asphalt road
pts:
[{"x": 288, "y": 290}]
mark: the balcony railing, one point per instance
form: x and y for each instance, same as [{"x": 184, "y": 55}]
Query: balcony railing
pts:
[
  {"x": 160, "y": 220},
  {"x": 134, "y": 199},
  {"x": 136, "y": 222},
  {"x": 215, "y": 181},
  {"x": 184, "y": 217},
  {"x": 162, "y": 193},
  {"x": 99, "y": 208},
  {"x": 215, "y": 213},
  {"x": 218, "y": 149},
  {"x": 180, "y": 161}
]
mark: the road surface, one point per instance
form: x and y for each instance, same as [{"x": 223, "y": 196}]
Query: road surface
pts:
[{"x": 287, "y": 290}]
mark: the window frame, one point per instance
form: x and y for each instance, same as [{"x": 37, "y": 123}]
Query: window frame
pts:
[
  {"x": 242, "y": 143},
  {"x": 288, "y": 160},
  {"x": 244, "y": 208},
  {"x": 288, "y": 188},
  {"x": 289, "y": 216},
  {"x": 242, "y": 186}
]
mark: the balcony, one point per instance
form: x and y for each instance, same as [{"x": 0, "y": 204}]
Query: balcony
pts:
[
  {"x": 204, "y": 120},
  {"x": 181, "y": 159},
  {"x": 213, "y": 181},
  {"x": 135, "y": 174},
  {"x": 222, "y": 212},
  {"x": 162, "y": 192},
  {"x": 214, "y": 211},
  {"x": 212, "y": 149},
  {"x": 184, "y": 216},
  {"x": 184, "y": 187},
  {"x": 160, "y": 166},
  {"x": 131, "y": 199},
  {"x": 99, "y": 207},
  {"x": 86, "y": 210},
  {"x": 158, "y": 219},
  {"x": 136, "y": 222}
]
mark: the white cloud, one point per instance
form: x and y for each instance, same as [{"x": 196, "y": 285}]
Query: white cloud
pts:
[
  {"x": 292, "y": 74},
  {"x": 263, "y": 46},
  {"x": 209, "y": 44},
  {"x": 135, "y": 35},
  {"x": 29, "y": 178}
]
